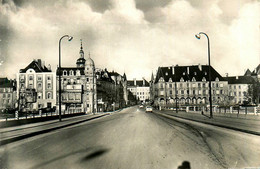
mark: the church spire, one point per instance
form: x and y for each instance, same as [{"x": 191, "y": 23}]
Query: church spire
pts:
[
  {"x": 81, "y": 61},
  {"x": 81, "y": 52}
]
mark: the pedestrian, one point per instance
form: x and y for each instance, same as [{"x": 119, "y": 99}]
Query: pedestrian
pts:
[{"x": 202, "y": 112}]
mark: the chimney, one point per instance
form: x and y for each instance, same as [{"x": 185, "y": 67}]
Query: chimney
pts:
[
  {"x": 188, "y": 70},
  {"x": 226, "y": 74},
  {"x": 236, "y": 77},
  {"x": 39, "y": 61},
  {"x": 49, "y": 67},
  {"x": 173, "y": 70},
  {"x": 43, "y": 64},
  {"x": 200, "y": 68},
  {"x": 143, "y": 81},
  {"x": 134, "y": 81}
]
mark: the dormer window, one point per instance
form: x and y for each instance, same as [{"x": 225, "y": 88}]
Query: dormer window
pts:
[
  {"x": 182, "y": 80},
  {"x": 205, "y": 73},
  {"x": 193, "y": 79},
  {"x": 65, "y": 73},
  {"x": 203, "y": 79},
  {"x": 78, "y": 73},
  {"x": 217, "y": 79},
  {"x": 166, "y": 73},
  {"x": 71, "y": 73},
  {"x": 183, "y": 73},
  {"x": 195, "y": 73}
]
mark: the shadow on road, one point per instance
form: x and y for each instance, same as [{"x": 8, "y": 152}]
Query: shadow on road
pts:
[
  {"x": 94, "y": 154},
  {"x": 184, "y": 165}
]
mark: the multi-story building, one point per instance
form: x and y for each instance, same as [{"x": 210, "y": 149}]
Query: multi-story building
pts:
[
  {"x": 7, "y": 94},
  {"x": 105, "y": 90},
  {"x": 188, "y": 85},
  {"x": 121, "y": 99},
  {"x": 36, "y": 87},
  {"x": 238, "y": 88},
  {"x": 111, "y": 90},
  {"x": 78, "y": 86},
  {"x": 140, "y": 89}
]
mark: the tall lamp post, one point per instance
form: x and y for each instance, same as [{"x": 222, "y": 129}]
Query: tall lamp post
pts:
[
  {"x": 69, "y": 39},
  {"x": 210, "y": 97}
]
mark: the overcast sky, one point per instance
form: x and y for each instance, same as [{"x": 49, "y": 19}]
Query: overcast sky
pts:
[{"x": 131, "y": 36}]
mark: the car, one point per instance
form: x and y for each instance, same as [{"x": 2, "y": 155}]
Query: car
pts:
[
  {"x": 141, "y": 106},
  {"x": 148, "y": 109}
]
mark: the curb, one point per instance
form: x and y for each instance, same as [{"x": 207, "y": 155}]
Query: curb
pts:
[
  {"x": 13, "y": 139},
  {"x": 209, "y": 123}
]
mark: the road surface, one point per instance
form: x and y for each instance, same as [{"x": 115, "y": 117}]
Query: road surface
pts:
[{"x": 133, "y": 139}]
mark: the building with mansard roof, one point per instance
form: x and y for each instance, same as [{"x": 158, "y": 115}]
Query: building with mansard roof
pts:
[
  {"x": 36, "y": 87},
  {"x": 140, "y": 89},
  {"x": 188, "y": 85},
  {"x": 78, "y": 86}
]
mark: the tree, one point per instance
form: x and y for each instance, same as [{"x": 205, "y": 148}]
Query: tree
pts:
[{"x": 254, "y": 91}]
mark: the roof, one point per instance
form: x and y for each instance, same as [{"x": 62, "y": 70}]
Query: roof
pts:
[
  {"x": 104, "y": 75},
  {"x": 114, "y": 73},
  {"x": 74, "y": 69},
  {"x": 187, "y": 73},
  {"x": 257, "y": 70},
  {"x": 138, "y": 83},
  {"x": 37, "y": 66},
  {"x": 248, "y": 73},
  {"x": 240, "y": 79},
  {"x": 5, "y": 83}
]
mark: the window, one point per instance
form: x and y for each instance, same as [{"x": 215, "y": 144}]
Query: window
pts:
[
  {"x": 170, "y": 92},
  {"x": 48, "y": 95},
  {"x": 30, "y": 77},
  {"x": 239, "y": 87},
  {"x": 235, "y": 87},
  {"x": 65, "y": 73},
  {"x": 199, "y": 85},
  {"x": 39, "y": 95},
  {"x": 39, "y": 85},
  {"x": 216, "y": 84},
  {"x": 235, "y": 93},
  {"x": 48, "y": 86},
  {"x": 8, "y": 95},
  {"x": 48, "y": 78},
  {"x": 182, "y": 91},
  {"x": 203, "y": 85},
  {"x": 204, "y": 92},
  {"x": 161, "y": 85},
  {"x": 170, "y": 85},
  {"x": 39, "y": 78},
  {"x": 4, "y": 95}
]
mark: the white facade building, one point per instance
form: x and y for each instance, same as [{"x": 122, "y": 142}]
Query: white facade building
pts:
[
  {"x": 36, "y": 87},
  {"x": 139, "y": 88}
]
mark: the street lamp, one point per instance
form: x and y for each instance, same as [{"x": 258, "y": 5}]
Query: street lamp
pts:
[
  {"x": 69, "y": 39},
  {"x": 210, "y": 97}
]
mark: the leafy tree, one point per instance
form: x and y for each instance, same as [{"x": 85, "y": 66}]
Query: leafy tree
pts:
[{"x": 254, "y": 92}]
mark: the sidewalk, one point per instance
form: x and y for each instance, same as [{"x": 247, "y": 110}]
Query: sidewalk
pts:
[
  {"x": 245, "y": 123},
  {"x": 10, "y": 134}
]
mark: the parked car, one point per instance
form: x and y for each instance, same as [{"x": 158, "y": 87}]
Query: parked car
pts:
[
  {"x": 141, "y": 106},
  {"x": 148, "y": 109}
]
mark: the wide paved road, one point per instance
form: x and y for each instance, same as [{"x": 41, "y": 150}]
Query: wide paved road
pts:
[{"x": 133, "y": 139}]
